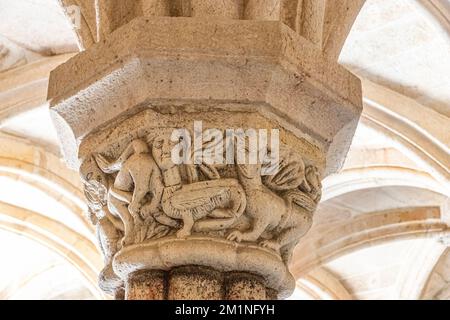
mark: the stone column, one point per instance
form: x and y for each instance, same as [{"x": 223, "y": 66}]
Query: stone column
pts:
[
  {"x": 146, "y": 285},
  {"x": 244, "y": 286},
  {"x": 195, "y": 283},
  {"x": 153, "y": 85}
]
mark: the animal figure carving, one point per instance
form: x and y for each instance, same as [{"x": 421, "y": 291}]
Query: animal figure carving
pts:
[
  {"x": 151, "y": 195},
  {"x": 286, "y": 217},
  {"x": 202, "y": 206}
]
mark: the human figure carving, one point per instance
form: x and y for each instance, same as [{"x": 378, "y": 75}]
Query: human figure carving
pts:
[
  {"x": 138, "y": 179},
  {"x": 202, "y": 206},
  {"x": 109, "y": 228}
]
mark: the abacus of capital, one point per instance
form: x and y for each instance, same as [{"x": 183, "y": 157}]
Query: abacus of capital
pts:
[{"x": 199, "y": 230}]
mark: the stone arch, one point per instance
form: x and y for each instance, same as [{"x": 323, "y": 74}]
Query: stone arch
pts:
[
  {"x": 367, "y": 230},
  {"x": 418, "y": 132},
  {"x": 354, "y": 179},
  {"x": 73, "y": 247},
  {"x": 321, "y": 284},
  {"x": 33, "y": 165},
  {"x": 437, "y": 286},
  {"x": 44, "y": 172}
]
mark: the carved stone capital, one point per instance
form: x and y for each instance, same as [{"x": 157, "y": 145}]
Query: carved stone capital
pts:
[{"x": 153, "y": 214}]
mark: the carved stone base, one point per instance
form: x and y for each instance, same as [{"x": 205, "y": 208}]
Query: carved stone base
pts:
[
  {"x": 202, "y": 268},
  {"x": 196, "y": 283}
]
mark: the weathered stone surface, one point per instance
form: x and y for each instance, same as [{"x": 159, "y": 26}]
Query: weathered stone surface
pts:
[
  {"x": 326, "y": 23},
  {"x": 119, "y": 294},
  {"x": 221, "y": 255},
  {"x": 192, "y": 282},
  {"x": 195, "y": 283},
  {"x": 146, "y": 285},
  {"x": 245, "y": 62},
  {"x": 244, "y": 286}
]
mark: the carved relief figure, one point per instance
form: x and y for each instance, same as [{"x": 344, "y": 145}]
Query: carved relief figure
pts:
[
  {"x": 281, "y": 213},
  {"x": 109, "y": 229},
  {"x": 264, "y": 207},
  {"x": 202, "y": 206},
  {"x": 303, "y": 202},
  {"x": 312, "y": 184},
  {"x": 144, "y": 195},
  {"x": 136, "y": 192}
]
